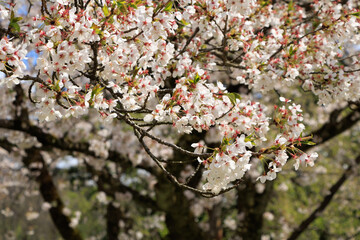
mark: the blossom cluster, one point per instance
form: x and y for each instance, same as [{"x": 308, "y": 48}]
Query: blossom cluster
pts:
[
  {"x": 231, "y": 160},
  {"x": 130, "y": 43},
  {"x": 11, "y": 61},
  {"x": 155, "y": 63},
  {"x": 288, "y": 119}
]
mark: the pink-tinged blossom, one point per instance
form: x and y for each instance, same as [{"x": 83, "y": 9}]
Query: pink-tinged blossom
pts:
[{"x": 151, "y": 66}]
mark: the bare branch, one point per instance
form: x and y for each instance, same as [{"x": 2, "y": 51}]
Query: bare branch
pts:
[
  {"x": 163, "y": 142},
  {"x": 327, "y": 199},
  {"x": 48, "y": 140},
  {"x": 207, "y": 194},
  {"x": 188, "y": 41},
  {"x": 333, "y": 128}
]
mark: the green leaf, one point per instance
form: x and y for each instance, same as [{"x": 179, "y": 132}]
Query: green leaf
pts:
[
  {"x": 17, "y": 19},
  {"x": 14, "y": 26},
  {"x": 195, "y": 80},
  {"x": 273, "y": 148},
  {"x": 225, "y": 141},
  {"x": 135, "y": 71},
  {"x": 291, "y": 6},
  {"x": 309, "y": 143},
  {"x": 264, "y": 3},
  {"x": 96, "y": 90},
  {"x": 168, "y": 6},
  {"x": 163, "y": 232},
  {"x": 233, "y": 97},
  {"x": 356, "y": 14},
  {"x": 316, "y": 23},
  {"x": 122, "y": 6},
  {"x": 292, "y": 50},
  {"x": 57, "y": 86},
  {"x": 106, "y": 11},
  {"x": 199, "y": 4},
  {"x": 184, "y": 22}
]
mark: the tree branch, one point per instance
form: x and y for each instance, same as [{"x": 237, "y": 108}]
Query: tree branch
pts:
[
  {"x": 49, "y": 140},
  {"x": 111, "y": 185},
  {"x": 113, "y": 216},
  {"x": 327, "y": 199},
  {"x": 333, "y": 128},
  {"x": 188, "y": 41},
  {"x": 51, "y": 195}
]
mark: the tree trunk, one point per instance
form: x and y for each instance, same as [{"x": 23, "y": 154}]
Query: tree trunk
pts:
[
  {"x": 216, "y": 231},
  {"x": 252, "y": 205},
  {"x": 179, "y": 219},
  {"x": 113, "y": 216}
]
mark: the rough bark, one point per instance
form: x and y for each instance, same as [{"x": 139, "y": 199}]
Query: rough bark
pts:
[
  {"x": 113, "y": 216},
  {"x": 180, "y": 221},
  {"x": 253, "y": 205}
]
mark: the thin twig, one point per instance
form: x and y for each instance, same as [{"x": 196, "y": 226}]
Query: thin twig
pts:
[
  {"x": 188, "y": 41},
  {"x": 326, "y": 201}
]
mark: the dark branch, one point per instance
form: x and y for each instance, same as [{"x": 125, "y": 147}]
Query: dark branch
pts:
[
  {"x": 327, "y": 199},
  {"x": 50, "y": 194},
  {"x": 110, "y": 185},
  {"x": 188, "y": 42},
  {"x": 50, "y": 141},
  {"x": 333, "y": 128}
]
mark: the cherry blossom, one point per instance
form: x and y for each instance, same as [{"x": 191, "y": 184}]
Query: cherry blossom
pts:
[{"x": 156, "y": 64}]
